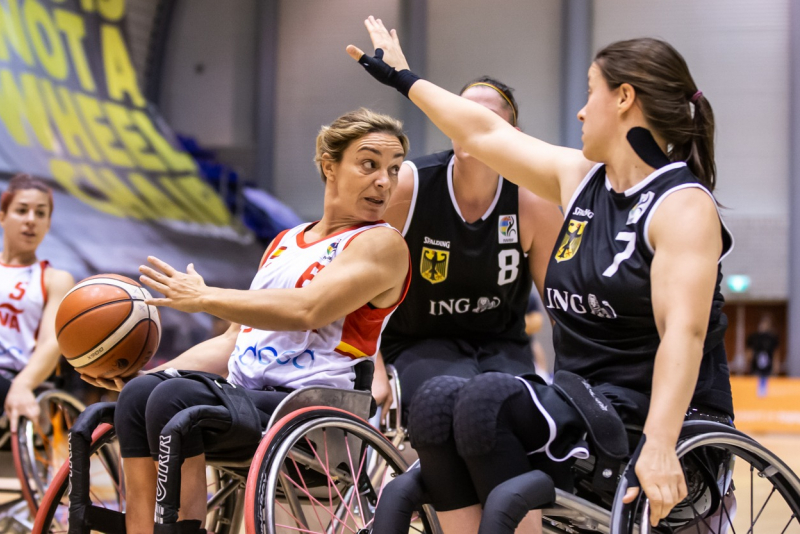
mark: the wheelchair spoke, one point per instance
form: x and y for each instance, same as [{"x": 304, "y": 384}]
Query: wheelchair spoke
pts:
[
  {"x": 771, "y": 493},
  {"x": 305, "y": 486},
  {"x": 313, "y": 500},
  {"x": 357, "y": 476},
  {"x": 789, "y": 523},
  {"x": 326, "y": 468}
]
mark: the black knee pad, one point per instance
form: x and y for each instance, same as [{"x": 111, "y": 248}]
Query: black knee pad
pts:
[
  {"x": 430, "y": 417},
  {"x": 477, "y": 411}
]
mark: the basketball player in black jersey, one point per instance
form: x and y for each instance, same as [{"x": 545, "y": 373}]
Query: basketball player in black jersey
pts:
[
  {"x": 476, "y": 240},
  {"x": 632, "y": 285}
]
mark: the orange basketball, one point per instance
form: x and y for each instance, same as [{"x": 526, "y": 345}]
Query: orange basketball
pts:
[{"x": 105, "y": 329}]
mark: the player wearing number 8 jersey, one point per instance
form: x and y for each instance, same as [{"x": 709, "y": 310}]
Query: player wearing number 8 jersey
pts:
[
  {"x": 633, "y": 285},
  {"x": 477, "y": 242}
]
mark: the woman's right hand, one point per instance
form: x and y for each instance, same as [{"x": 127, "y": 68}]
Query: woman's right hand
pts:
[
  {"x": 385, "y": 40},
  {"x": 113, "y": 384}
]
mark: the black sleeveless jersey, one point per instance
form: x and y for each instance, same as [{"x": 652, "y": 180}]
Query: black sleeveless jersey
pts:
[
  {"x": 470, "y": 280},
  {"x": 598, "y": 288}
]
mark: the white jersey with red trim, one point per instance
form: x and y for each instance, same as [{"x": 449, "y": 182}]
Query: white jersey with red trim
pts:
[
  {"x": 321, "y": 357},
  {"x": 22, "y": 299}
]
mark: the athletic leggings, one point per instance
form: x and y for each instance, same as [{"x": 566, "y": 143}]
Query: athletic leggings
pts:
[
  {"x": 148, "y": 402},
  {"x": 472, "y": 435}
]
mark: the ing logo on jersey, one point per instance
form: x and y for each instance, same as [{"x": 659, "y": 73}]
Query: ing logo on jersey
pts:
[
  {"x": 433, "y": 265},
  {"x": 572, "y": 240}
]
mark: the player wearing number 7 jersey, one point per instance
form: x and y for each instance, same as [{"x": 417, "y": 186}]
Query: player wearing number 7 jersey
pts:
[{"x": 477, "y": 241}]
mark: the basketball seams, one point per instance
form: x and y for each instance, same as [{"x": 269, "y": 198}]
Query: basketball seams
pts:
[
  {"x": 117, "y": 344},
  {"x": 113, "y": 338},
  {"x": 114, "y": 307},
  {"x": 95, "y": 307},
  {"x": 130, "y": 289}
]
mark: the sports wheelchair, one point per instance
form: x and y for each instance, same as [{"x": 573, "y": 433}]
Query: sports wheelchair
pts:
[
  {"x": 735, "y": 485},
  {"x": 37, "y": 451},
  {"x": 320, "y": 467}
]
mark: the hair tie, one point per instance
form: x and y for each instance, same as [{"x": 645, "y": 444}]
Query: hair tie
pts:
[
  {"x": 499, "y": 92},
  {"x": 696, "y": 96}
]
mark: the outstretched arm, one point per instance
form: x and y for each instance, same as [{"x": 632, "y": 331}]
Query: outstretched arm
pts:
[
  {"x": 20, "y": 400},
  {"x": 371, "y": 269},
  {"x": 550, "y": 171}
]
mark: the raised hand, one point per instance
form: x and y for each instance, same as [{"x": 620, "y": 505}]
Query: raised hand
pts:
[
  {"x": 182, "y": 291},
  {"x": 385, "y": 40}
]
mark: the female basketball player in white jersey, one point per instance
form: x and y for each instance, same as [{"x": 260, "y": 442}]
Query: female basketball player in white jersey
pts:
[
  {"x": 633, "y": 283},
  {"x": 30, "y": 291},
  {"x": 316, "y": 308}
]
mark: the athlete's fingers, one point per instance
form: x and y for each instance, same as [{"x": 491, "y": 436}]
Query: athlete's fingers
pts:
[
  {"x": 395, "y": 38},
  {"x": 354, "y": 52},
  {"x": 630, "y": 495},
  {"x": 165, "y": 267},
  {"x": 656, "y": 500},
  {"x": 152, "y": 284},
  {"x": 154, "y": 275},
  {"x": 13, "y": 419},
  {"x": 159, "y": 302},
  {"x": 191, "y": 270}
]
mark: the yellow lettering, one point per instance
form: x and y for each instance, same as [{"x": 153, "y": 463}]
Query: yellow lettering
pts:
[
  {"x": 66, "y": 176},
  {"x": 136, "y": 145},
  {"x": 118, "y": 193},
  {"x": 46, "y": 40},
  {"x": 193, "y": 192},
  {"x": 11, "y": 31},
  {"x": 120, "y": 76},
  {"x": 111, "y": 10},
  {"x": 176, "y": 160},
  {"x": 71, "y": 25},
  {"x": 68, "y": 123},
  {"x": 103, "y": 135},
  {"x": 14, "y": 106},
  {"x": 161, "y": 204}
]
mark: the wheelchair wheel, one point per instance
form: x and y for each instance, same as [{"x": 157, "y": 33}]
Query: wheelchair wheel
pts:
[
  {"x": 735, "y": 485},
  {"x": 107, "y": 493},
  {"x": 38, "y": 453},
  {"x": 105, "y": 485},
  {"x": 311, "y": 474}
]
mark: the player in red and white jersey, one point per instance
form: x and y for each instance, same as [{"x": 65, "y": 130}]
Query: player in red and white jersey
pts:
[
  {"x": 30, "y": 291},
  {"x": 316, "y": 307},
  {"x": 322, "y": 356}
]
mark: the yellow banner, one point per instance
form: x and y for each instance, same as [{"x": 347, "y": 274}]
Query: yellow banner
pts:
[{"x": 71, "y": 110}]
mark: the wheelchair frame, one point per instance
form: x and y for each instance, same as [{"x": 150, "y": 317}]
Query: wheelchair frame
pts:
[{"x": 235, "y": 491}]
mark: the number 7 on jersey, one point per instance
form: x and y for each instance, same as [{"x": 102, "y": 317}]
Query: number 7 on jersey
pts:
[{"x": 630, "y": 237}]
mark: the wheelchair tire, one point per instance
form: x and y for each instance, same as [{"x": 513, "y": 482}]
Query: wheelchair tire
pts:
[
  {"x": 38, "y": 454},
  {"x": 301, "y": 479},
  {"x": 732, "y": 479},
  {"x": 224, "y": 517},
  {"x": 52, "y": 517}
]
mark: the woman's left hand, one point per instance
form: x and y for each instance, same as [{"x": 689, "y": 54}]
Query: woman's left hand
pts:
[
  {"x": 182, "y": 291},
  {"x": 660, "y": 477},
  {"x": 21, "y": 402},
  {"x": 385, "y": 40}
]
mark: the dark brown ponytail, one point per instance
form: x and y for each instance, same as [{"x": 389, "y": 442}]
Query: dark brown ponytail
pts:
[{"x": 669, "y": 98}]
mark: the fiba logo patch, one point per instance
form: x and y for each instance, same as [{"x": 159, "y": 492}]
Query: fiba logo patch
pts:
[
  {"x": 507, "y": 229},
  {"x": 640, "y": 207}
]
